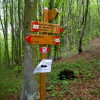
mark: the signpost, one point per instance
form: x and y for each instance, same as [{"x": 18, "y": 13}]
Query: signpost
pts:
[
  {"x": 44, "y": 39},
  {"x": 43, "y": 75},
  {"x": 45, "y": 27}
]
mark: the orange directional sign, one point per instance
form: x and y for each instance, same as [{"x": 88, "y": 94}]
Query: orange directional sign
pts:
[
  {"x": 45, "y": 27},
  {"x": 43, "y": 39}
]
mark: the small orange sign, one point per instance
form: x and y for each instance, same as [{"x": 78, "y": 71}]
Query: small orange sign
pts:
[
  {"x": 43, "y": 39},
  {"x": 45, "y": 27}
]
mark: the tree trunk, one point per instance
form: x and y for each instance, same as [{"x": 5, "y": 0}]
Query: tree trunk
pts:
[
  {"x": 83, "y": 26},
  {"x": 51, "y": 6},
  {"x": 12, "y": 29},
  {"x": 29, "y": 90},
  {"x": 19, "y": 34}
]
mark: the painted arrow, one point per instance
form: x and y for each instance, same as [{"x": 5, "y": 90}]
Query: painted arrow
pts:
[
  {"x": 43, "y": 39},
  {"x": 45, "y": 27}
]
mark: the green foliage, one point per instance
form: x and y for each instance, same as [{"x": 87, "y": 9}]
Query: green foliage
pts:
[
  {"x": 45, "y": 3},
  {"x": 18, "y": 68},
  {"x": 54, "y": 93}
]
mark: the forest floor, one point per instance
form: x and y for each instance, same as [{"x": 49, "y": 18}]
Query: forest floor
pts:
[
  {"x": 83, "y": 88},
  {"x": 86, "y": 87}
]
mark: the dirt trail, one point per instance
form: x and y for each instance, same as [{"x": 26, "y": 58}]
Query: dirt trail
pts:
[{"x": 92, "y": 52}]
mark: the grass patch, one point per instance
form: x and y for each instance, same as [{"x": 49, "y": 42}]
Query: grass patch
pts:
[
  {"x": 95, "y": 92},
  {"x": 10, "y": 82}
]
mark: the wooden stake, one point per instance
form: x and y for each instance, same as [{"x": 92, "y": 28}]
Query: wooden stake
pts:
[{"x": 43, "y": 75}]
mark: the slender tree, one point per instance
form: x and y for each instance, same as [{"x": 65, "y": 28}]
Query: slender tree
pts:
[
  {"x": 83, "y": 24},
  {"x": 12, "y": 28},
  {"x": 19, "y": 32}
]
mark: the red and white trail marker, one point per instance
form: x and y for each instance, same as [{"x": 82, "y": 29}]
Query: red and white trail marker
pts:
[
  {"x": 35, "y": 26},
  {"x": 44, "y": 49}
]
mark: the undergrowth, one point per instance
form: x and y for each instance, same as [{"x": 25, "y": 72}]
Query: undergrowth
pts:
[
  {"x": 11, "y": 79},
  {"x": 10, "y": 82},
  {"x": 59, "y": 88}
]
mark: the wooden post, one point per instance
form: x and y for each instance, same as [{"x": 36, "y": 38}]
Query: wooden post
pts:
[
  {"x": 47, "y": 15},
  {"x": 43, "y": 75}
]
